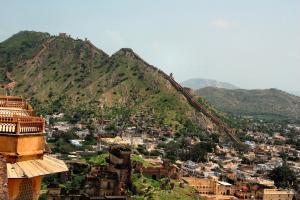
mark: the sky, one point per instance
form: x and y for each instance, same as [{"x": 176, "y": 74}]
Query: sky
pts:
[{"x": 253, "y": 44}]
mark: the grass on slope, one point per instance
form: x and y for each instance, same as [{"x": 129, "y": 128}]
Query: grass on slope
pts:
[
  {"x": 138, "y": 158},
  {"x": 148, "y": 188},
  {"x": 99, "y": 159}
]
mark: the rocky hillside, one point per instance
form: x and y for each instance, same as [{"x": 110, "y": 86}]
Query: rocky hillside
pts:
[
  {"x": 198, "y": 83},
  {"x": 58, "y": 73},
  {"x": 270, "y": 103}
]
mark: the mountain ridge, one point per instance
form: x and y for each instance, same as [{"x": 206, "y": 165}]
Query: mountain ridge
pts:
[
  {"x": 63, "y": 74},
  {"x": 265, "y": 103},
  {"x": 197, "y": 83}
]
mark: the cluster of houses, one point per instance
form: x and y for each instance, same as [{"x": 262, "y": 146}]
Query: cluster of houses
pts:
[{"x": 225, "y": 175}]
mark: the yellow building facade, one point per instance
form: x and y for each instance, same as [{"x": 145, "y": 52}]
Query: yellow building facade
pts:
[
  {"x": 210, "y": 186},
  {"x": 276, "y": 194},
  {"x": 22, "y": 147}
]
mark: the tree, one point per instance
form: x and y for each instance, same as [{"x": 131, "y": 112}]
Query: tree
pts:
[
  {"x": 284, "y": 156},
  {"x": 172, "y": 149},
  {"x": 284, "y": 177},
  {"x": 199, "y": 151}
]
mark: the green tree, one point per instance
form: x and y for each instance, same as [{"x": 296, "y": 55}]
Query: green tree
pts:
[
  {"x": 199, "y": 151},
  {"x": 284, "y": 177},
  {"x": 172, "y": 150}
]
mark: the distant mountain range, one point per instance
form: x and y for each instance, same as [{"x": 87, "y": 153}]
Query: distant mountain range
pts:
[
  {"x": 297, "y": 93},
  {"x": 269, "y": 103},
  {"x": 198, "y": 83}
]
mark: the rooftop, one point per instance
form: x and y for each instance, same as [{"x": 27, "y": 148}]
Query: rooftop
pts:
[{"x": 224, "y": 183}]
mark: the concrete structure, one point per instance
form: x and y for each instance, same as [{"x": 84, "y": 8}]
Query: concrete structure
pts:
[{"x": 23, "y": 149}]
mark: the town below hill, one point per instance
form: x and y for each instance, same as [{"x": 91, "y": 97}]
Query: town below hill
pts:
[
  {"x": 127, "y": 130},
  {"x": 165, "y": 167}
]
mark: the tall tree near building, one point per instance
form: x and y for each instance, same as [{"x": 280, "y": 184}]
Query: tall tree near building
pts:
[{"x": 284, "y": 177}]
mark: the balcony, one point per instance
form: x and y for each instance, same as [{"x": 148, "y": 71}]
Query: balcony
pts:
[
  {"x": 23, "y": 137},
  {"x": 21, "y": 124}
]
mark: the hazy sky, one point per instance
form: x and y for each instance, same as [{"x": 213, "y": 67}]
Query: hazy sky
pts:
[{"x": 250, "y": 43}]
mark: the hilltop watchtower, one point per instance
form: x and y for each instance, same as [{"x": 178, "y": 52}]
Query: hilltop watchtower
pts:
[{"x": 22, "y": 146}]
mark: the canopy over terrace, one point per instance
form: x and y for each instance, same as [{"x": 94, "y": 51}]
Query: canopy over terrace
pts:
[{"x": 33, "y": 168}]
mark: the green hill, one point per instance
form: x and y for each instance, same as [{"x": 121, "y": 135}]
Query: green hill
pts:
[
  {"x": 61, "y": 74},
  {"x": 269, "y": 103}
]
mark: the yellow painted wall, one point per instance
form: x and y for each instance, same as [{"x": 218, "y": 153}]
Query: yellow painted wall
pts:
[
  {"x": 204, "y": 185},
  {"x": 25, "y": 145},
  {"x": 10, "y": 143},
  {"x": 30, "y": 144}
]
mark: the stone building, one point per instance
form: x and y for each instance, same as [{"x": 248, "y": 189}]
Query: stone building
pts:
[
  {"x": 252, "y": 189},
  {"x": 210, "y": 186},
  {"x": 166, "y": 169},
  {"x": 22, "y": 139},
  {"x": 110, "y": 181},
  {"x": 114, "y": 178}
]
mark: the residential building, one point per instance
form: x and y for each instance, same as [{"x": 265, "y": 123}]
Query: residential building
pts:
[
  {"x": 210, "y": 186},
  {"x": 276, "y": 194}
]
